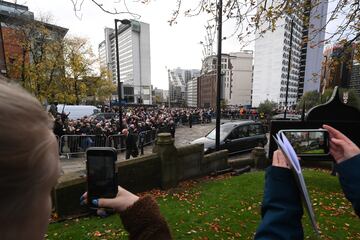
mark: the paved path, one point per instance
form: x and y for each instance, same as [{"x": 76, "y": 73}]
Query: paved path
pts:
[{"x": 183, "y": 136}]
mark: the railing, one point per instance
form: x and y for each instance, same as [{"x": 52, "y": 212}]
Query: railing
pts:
[{"x": 77, "y": 144}]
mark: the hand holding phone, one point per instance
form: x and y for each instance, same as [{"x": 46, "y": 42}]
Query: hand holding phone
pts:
[
  {"x": 341, "y": 147},
  {"x": 101, "y": 175},
  {"x": 123, "y": 200}
]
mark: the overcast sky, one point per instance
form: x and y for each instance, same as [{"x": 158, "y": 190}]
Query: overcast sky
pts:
[{"x": 171, "y": 46}]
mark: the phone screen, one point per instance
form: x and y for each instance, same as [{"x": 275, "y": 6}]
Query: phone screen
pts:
[
  {"x": 101, "y": 174},
  {"x": 309, "y": 142}
]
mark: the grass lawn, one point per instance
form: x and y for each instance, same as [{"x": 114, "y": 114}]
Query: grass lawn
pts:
[{"x": 227, "y": 208}]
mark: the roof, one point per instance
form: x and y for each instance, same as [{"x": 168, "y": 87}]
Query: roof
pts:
[{"x": 238, "y": 123}]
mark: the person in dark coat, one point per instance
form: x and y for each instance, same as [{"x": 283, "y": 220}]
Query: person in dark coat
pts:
[
  {"x": 53, "y": 109},
  {"x": 282, "y": 209},
  {"x": 131, "y": 147},
  {"x": 172, "y": 128},
  {"x": 190, "y": 120},
  {"x": 142, "y": 135}
]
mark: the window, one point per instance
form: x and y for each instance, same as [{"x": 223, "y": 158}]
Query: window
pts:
[
  {"x": 243, "y": 131},
  {"x": 234, "y": 134},
  {"x": 255, "y": 130}
]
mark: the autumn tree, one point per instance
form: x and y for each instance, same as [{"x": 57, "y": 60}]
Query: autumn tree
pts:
[
  {"x": 100, "y": 87},
  {"x": 39, "y": 66},
  {"x": 81, "y": 81},
  {"x": 248, "y": 16},
  {"x": 79, "y": 61}
]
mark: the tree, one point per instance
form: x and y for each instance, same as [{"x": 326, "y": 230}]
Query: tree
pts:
[
  {"x": 39, "y": 66},
  {"x": 100, "y": 87},
  {"x": 79, "y": 60},
  {"x": 352, "y": 98},
  {"x": 267, "y": 107},
  {"x": 252, "y": 16},
  {"x": 223, "y": 104},
  {"x": 310, "y": 99}
]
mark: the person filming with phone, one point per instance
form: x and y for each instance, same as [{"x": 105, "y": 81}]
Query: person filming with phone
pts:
[
  {"x": 282, "y": 205},
  {"x": 30, "y": 168}
]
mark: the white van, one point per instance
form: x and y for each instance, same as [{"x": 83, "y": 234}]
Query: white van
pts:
[{"x": 78, "y": 111}]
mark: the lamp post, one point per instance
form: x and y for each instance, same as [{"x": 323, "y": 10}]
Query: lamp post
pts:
[
  {"x": 119, "y": 87},
  {"x": 289, "y": 66},
  {"x": 218, "y": 73}
]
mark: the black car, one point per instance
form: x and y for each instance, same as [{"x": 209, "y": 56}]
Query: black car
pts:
[
  {"x": 239, "y": 136},
  {"x": 105, "y": 116}
]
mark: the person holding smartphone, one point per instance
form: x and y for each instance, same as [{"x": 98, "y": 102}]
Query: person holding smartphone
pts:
[{"x": 282, "y": 209}]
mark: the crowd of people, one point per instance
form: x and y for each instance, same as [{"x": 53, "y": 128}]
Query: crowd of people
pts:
[
  {"x": 137, "y": 118},
  {"x": 137, "y": 121}
]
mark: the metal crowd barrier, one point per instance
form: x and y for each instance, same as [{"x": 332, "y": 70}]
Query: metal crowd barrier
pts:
[
  {"x": 77, "y": 144},
  {"x": 150, "y": 136},
  {"x": 117, "y": 141}
]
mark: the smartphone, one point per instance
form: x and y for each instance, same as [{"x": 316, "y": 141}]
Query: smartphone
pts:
[
  {"x": 101, "y": 174},
  {"x": 309, "y": 142}
]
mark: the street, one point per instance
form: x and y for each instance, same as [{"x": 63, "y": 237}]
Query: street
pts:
[{"x": 184, "y": 135}]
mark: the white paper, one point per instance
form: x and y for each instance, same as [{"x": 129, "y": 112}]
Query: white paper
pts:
[{"x": 290, "y": 154}]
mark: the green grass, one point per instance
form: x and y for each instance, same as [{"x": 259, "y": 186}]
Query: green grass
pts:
[{"x": 226, "y": 208}]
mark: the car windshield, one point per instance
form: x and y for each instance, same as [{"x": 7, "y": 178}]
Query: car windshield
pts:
[{"x": 224, "y": 131}]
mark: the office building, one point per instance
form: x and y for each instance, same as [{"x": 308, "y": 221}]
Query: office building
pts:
[
  {"x": 312, "y": 47},
  {"x": 178, "y": 79},
  {"x": 236, "y": 82},
  {"x": 206, "y": 90},
  {"x": 134, "y": 56},
  {"x": 241, "y": 78},
  {"x": 160, "y": 96},
  {"x": 191, "y": 92},
  {"x": 272, "y": 53}
]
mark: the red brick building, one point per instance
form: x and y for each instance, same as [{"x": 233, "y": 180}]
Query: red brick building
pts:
[{"x": 13, "y": 18}]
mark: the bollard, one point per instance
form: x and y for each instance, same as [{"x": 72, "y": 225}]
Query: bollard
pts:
[
  {"x": 168, "y": 157},
  {"x": 258, "y": 154}
]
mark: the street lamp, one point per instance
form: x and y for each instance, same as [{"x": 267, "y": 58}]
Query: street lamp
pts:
[
  {"x": 127, "y": 22},
  {"x": 218, "y": 83}
]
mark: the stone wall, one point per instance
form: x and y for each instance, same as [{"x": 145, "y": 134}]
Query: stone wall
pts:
[{"x": 163, "y": 169}]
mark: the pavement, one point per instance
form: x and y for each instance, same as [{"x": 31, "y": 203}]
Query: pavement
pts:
[{"x": 183, "y": 136}]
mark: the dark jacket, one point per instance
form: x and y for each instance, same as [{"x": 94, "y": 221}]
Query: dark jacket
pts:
[
  {"x": 143, "y": 221},
  {"x": 349, "y": 176},
  {"x": 282, "y": 209},
  {"x": 131, "y": 141}
]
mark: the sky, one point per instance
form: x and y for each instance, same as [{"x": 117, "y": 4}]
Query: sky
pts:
[{"x": 171, "y": 46}]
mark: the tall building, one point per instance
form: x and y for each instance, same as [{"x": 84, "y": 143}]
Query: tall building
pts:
[
  {"x": 159, "y": 96},
  {"x": 236, "y": 82},
  {"x": 14, "y": 18},
  {"x": 355, "y": 77},
  {"x": 134, "y": 56},
  {"x": 313, "y": 47},
  {"x": 206, "y": 90},
  {"x": 340, "y": 68},
  {"x": 191, "y": 92},
  {"x": 272, "y": 52},
  {"x": 178, "y": 79},
  {"x": 241, "y": 78}
]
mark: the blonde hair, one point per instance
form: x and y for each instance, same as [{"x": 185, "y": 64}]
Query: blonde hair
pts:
[{"x": 25, "y": 138}]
